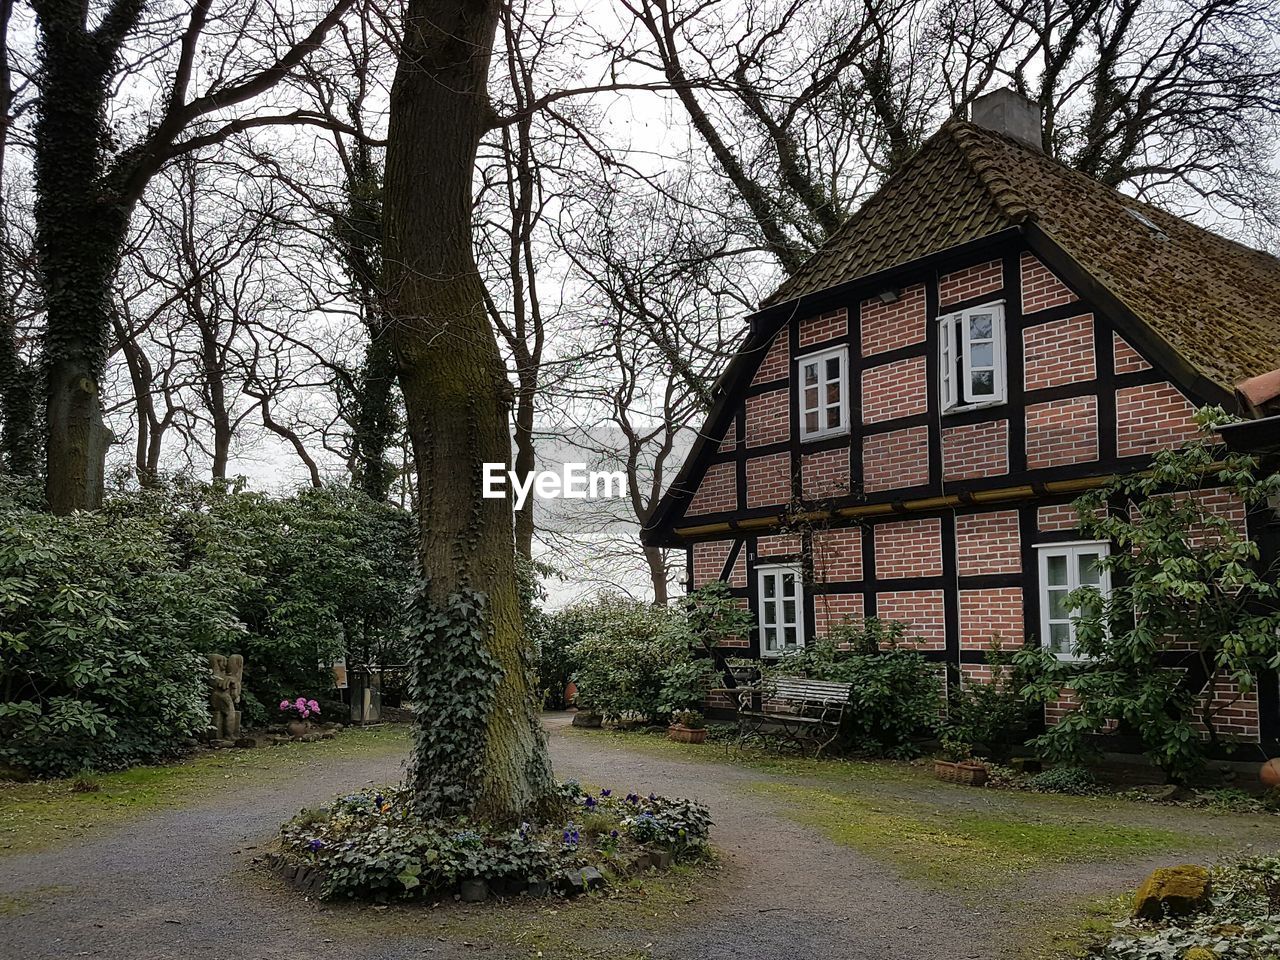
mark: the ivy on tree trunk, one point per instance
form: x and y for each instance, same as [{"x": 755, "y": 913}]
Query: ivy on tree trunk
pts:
[{"x": 457, "y": 400}]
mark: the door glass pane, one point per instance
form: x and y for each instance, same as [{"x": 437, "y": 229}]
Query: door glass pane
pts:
[
  {"x": 833, "y": 368},
  {"x": 1058, "y": 609},
  {"x": 810, "y": 373},
  {"x": 770, "y": 584},
  {"x": 788, "y": 584},
  {"x": 1057, "y": 571},
  {"x": 789, "y": 634},
  {"x": 1060, "y": 637},
  {"x": 788, "y": 611},
  {"x": 770, "y": 638},
  {"x": 770, "y": 611},
  {"x": 980, "y": 326},
  {"x": 1090, "y": 570}
]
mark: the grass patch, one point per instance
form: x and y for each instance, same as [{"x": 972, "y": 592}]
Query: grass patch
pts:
[
  {"x": 764, "y": 761},
  {"x": 1091, "y": 924},
  {"x": 43, "y": 813},
  {"x": 955, "y": 849},
  {"x": 618, "y": 922}
]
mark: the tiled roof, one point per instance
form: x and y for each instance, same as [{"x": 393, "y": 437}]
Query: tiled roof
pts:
[{"x": 1215, "y": 302}]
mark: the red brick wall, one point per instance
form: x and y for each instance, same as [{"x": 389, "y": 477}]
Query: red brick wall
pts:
[
  {"x": 1057, "y": 518},
  {"x": 1062, "y": 431},
  {"x": 837, "y": 554},
  {"x": 777, "y": 360},
  {"x": 899, "y": 458},
  {"x": 768, "y": 418},
  {"x": 829, "y": 609},
  {"x": 1235, "y": 714},
  {"x": 730, "y": 439},
  {"x": 970, "y": 282},
  {"x": 769, "y": 480},
  {"x": 1219, "y": 502},
  {"x": 718, "y": 490},
  {"x": 1060, "y": 351},
  {"x": 988, "y": 543},
  {"x": 1127, "y": 359},
  {"x": 894, "y": 390},
  {"x": 825, "y": 327},
  {"x": 908, "y": 548},
  {"x": 1152, "y": 417},
  {"x": 708, "y": 560},
  {"x": 1055, "y": 710},
  {"x": 921, "y": 610},
  {"x": 1041, "y": 288},
  {"x": 887, "y": 326},
  {"x": 825, "y": 474},
  {"x": 779, "y": 545},
  {"x": 993, "y": 612},
  {"x": 975, "y": 450}
]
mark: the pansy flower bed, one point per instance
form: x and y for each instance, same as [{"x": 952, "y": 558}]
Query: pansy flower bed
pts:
[{"x": 371, "y": 845}]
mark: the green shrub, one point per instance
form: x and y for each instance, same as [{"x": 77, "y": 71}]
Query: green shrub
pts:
[
  {"x": 106, "y": 618},
  {"x": 1065, "y": 778},
  {"x": 994, "y": 716},
  {"x": 638, "y": 661},
  {"x": 103, "y": 625},
  {"x": 895, "y": 693}
]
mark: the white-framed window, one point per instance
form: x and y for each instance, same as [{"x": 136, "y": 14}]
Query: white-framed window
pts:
[
  {"x": 781, "y": 609},
  {"x": 824, "y": 393},
  {"x": 1065, "y": 567},
  {"x": 971, "y": 356}
]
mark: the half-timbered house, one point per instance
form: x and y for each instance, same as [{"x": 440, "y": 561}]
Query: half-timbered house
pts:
[{"x": 989, "y": 335}]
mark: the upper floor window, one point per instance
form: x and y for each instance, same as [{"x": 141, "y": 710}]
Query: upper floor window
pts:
[
  {"x": 1065, "y": 567},
  {"x": 824, "y": 393},
  {"x": 972, "y": 357}
]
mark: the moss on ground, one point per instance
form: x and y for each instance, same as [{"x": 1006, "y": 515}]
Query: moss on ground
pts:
[
  {"x": 956, "y": 849},
  {"x": 618, "y": 922},
  {"x": 36, "y": 815}
]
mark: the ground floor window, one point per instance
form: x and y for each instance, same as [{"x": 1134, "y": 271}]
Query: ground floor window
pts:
[
  {"x": 781, "y": 610},
  {"x": 1065, "y": 567}
]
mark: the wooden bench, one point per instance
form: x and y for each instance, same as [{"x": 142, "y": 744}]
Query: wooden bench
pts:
[{"x": 805, "y": 712}]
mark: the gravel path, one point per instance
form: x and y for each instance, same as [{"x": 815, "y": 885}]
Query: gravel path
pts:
[{"x": 179, "y": 883}]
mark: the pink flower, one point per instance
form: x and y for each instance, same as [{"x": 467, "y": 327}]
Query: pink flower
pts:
[
  {"x": 284, "y": 704},
  {"x": 315, "y": 707}
]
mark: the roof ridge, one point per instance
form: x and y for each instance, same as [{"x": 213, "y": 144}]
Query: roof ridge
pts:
[{"x": 969, "y": 138}]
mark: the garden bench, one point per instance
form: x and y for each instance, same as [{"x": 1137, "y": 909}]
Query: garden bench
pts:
[{"x": 803, "y": 711}]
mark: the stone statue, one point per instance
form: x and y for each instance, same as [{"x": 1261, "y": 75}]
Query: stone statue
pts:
[{"x": 226, "y": 686}]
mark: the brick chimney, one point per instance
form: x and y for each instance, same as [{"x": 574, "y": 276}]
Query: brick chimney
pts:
[{"x": 1009, "y": 112}]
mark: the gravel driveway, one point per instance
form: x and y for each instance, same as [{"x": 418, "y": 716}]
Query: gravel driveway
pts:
[{"x": 180, "y": 884}]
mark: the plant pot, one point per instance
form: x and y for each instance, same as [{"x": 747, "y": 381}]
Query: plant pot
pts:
[
  {"x": 297, "y": 728},
  {"x": 968, "y": 772},
  {"x": 682, "y": 734}
]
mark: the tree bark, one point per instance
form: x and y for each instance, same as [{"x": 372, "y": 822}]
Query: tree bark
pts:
[{"x": 455, "y": 388}]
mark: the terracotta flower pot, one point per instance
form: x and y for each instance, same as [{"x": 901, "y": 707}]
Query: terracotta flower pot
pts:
[
  {"x": 967, "y": 772},
  {"x": 297, "y": 728},
  {"x": 1269, "y": 773},
  {"x": 682, "y": 734}
]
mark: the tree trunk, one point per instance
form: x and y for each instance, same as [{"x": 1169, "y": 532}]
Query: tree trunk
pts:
[
  {"x": 80, "y": 227},
  {"x": 525, "y": 464},
  {"x": 376, "y": 415},
  {"x": 657, "y": 575},
  {"x": 456, "y": 399}
]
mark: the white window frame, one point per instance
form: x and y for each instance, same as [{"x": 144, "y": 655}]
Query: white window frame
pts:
[
  {"x": 1073, "y": 550},
  {"x": 779, "y": 625},
  {"x": 955, "y": 392},
  {"x": 821, "y": 358}
]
